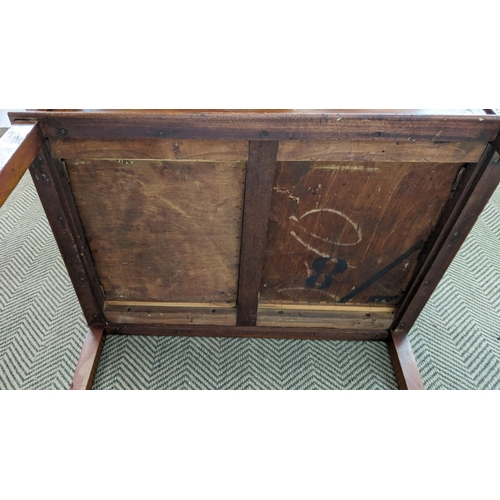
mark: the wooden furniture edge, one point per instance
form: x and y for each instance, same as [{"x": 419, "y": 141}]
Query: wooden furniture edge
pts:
[
  {"x": 452, "y": 231},
  {"x": 87, "y": 364},
  {"x": 246, "y": 332},
  {"x": 49, "y": 178},
  {"x": 403, "y": 362},
  {"x": 269, "y": 125},
  {"x": 18, "y": 148}
]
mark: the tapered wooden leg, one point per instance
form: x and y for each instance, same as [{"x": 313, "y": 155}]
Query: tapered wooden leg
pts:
[
  {"x": 86, "y": 367},
  {"x": 403, "y": 361}
]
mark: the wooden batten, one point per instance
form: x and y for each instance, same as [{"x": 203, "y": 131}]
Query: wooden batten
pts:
[
  {"x": 258, "y": 192},
  {"x": 348, "y": 317},
  {"x": 150, "y": 149},
  {"x": 381, "y": 151}
]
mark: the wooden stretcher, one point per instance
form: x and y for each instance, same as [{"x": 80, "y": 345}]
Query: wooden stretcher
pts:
[{"x": 305, "y": 224}]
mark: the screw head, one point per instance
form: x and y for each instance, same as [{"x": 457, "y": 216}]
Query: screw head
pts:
[
  {"x": 62, "y": 131},
  {"x": 264, "y": 133},
  {"x": 161, "y": 132}
]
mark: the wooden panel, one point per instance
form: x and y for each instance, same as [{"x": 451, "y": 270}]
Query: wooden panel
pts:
[
  {"x": 403, "y": 361},
  {"x": 86, "y": 368},
  {"x": 250, "y": 332},
  {"x": 341, "y": 317},
  {"x": 162, "y": 231},
  {"x": 152, "y": 149},
  {"x": 258, "y": 190},
  {"x": 51, "y": 182},
  {"x": 171, "y": 314},
  {"x": 474, "y": 196},
  {"x": 387, "y": 151},
  {"x": 272, "y": 125},
  {"x": 18, "y": 148},
  {"x": 350, "y": 232}
]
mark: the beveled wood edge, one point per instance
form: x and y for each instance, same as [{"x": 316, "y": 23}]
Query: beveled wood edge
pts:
[
  {"x": 246, "y": 331},
  {"x": 466, "y": 209},
  {"x": 18, "y": 148},
  {"x": 270, "y": 125},
  {"x": 52, "y": 184},
  {"x": 87, "y": 364},
  {"x": 403, "y": 361}
]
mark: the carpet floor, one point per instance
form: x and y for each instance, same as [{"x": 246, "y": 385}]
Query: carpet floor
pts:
[{"x": 456, "y": 339}]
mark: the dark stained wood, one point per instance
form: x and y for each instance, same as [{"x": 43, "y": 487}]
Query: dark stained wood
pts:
[
  {"x": 405, "y": 367},
  {"x": 258, "y": 190},
  {"x": 459, "y": 218},
  {"x": 381, "y": 150},
  {"x": 88, "y": 361},
  {"x": 162, "y": 231},
  {"x": 272, "y": 125},
  {"x": 496, "y": 143},
  {"x": 50, "y": 180},
  {"x": 250, "y": 332},
  {"x": 18, "y": 148},
  {"x": 344, "y": 232},
  {"x": 152, "y": 149}
]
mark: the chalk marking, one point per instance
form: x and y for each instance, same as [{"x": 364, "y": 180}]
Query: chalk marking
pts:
[
  {"x": 326, "y": 240},
  {"x": 309, "y": 247}
]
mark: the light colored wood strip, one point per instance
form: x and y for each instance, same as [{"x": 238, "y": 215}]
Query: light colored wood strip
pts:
[
  {"x": 18, "y": 148},
  {"x": 186, "y": 317},
  {"x": 319, "y": 307},
  {"x": 380, "y": 150},
  {"x": 150, "y": 149},
  {"x": 86, "y": 367},
  {"x": 327, "y": 319},
  {"x": 139, "y": 303}
]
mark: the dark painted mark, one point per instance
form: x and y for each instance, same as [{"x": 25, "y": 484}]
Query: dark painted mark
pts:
[
  {"x": 382, "y": 298},
  {"x": 381, "y": 273},
  {"x": 318, "y": 265}
]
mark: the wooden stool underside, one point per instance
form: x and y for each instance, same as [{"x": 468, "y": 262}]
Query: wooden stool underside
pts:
[{"x": 316, "y": 225}]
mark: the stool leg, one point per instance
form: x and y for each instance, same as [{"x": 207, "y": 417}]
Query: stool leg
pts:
[
  {"x": 86, "y": 367},
  {"x": 403, "y": 361}
]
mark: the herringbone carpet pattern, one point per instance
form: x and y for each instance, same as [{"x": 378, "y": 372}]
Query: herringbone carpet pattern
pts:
[{"x": 456, "y": 340}]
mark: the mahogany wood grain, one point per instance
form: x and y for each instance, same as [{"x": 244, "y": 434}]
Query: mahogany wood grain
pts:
[
  {"x": 405, "y": 367},
  {"x": 88, "y": 361},
  {"x": 247, "y": 332},
  {"x": 344, "y": 232},
  {"x": 150, "y": 149},
  {"x": 381, "y": 151},
  {"x": 258, "y": 190},
  {"x": 18, "y": 148},
  {"x": 272, "y": 125},
  {"x": 51, "y": 182},
  {"x": 456, "y": 223}
]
